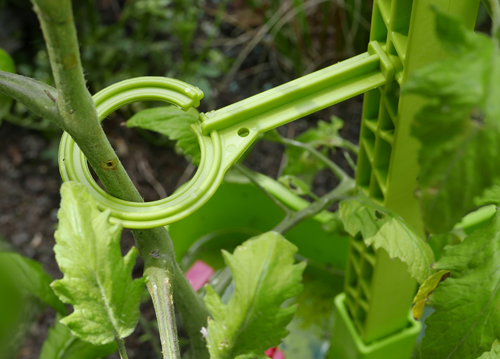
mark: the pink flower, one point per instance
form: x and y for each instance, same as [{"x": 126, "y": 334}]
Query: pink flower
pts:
[
  {"x": 275, "y": 353},
  {"x": 199, "y": 274}
]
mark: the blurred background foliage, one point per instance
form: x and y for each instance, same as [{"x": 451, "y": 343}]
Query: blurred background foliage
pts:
[{"x": 230, "y": 49}]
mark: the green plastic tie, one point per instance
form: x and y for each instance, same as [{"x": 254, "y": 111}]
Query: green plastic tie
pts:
[{"x": 223, "y": 135}]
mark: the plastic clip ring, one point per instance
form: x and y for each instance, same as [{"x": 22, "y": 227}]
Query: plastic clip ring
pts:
[{"x": 73, "y": 164}]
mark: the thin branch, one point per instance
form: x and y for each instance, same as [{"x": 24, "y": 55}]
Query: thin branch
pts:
[
  {"x": 250, "y": 175},
  {"x": 349, "y": 160},
  {"x": 146, "y": 172},
  {"x": 264, "y": 29},
  {"x": 342, "y": 190},
  {"x": 349, "y": 146},
  {"x": 337, "y": 171},
  {"x": 186, "y": 175}
]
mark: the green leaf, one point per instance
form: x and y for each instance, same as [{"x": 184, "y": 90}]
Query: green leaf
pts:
[
  {"x": 425, "y": 290},
  {"x": 438, "y": 241},
  {"x": 466, "y": 320},
  {"x": 7, "y": 65},
  {"x": 324, "y": 134},
  {"x": 61, "y": 344},
  {"x": 254, "y": 319},
  {"x": 384, "y": 229},
  {"x": 14, "y": 306},
  {"x": 452, "y": 33},
  {"x": 459, "y": 126},
  {"x": 494, "y": 353},
  {"x": 173, "y": 123},
  {"x": 6, "y": 62},
  {"x": 31, "y": 278},
  {"x": 97, "y": 279},
  {"x": 490, "y": 196},
  {"x": 300, "y": 162}
]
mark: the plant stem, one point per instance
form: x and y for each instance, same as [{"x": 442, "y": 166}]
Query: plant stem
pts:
[
  {"x": 146, "y": 326},
  {"x": 348, "y": 145},
  {"x": 349, "y": 160},
  {"x": 495, "y": 16},
  {"x": 35, "y": 95},
  {"x": 74, "y": 103},
  {"x": 344, "y": 188},
  {"x": 193, "y": 314},
  {"x": 337, "y": 171},
  {"x": 75, "y": 113},
  {"x": 121, "y": 348},
  {"x": 160, "y": 288},
  {"x": 162, "y": 270},
  {"x": 250, "y": 175}
]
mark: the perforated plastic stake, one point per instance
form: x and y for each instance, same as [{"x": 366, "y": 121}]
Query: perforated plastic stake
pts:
[{"x": 373, "y": 311}]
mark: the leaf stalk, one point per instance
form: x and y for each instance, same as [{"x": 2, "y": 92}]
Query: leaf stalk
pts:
[
  {"x": 121, "y": 348},
  {"x": 345, "y": 188},
  {"x": 251, "y": 176}
]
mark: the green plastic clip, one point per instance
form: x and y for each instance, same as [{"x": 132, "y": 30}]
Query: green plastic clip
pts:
[{"x": 224, "y": 135}]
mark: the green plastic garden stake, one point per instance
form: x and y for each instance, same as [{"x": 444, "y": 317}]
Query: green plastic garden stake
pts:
[{"x": 373, "y": 310}]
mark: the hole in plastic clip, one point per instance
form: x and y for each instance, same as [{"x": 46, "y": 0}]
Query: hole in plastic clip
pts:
[{"x": 243, "y": 132}]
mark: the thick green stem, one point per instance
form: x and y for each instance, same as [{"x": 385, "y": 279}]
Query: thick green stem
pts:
[
  {"x": 76, "y": 114},
  {"x": 160, "y": 288},
  {"x": 75, "y": 106},
  {"x": 160, "y": 266}
]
